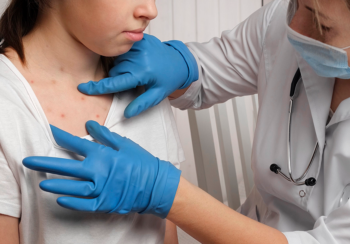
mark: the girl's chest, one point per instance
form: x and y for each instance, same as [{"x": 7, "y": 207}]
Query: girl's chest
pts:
[{"x": 68, "y": 109}]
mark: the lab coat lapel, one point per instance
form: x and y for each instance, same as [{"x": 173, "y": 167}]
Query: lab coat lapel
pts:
[{"x": 319, "y": 91}]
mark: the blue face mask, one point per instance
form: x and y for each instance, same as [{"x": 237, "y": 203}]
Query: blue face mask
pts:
[{"x": 325, "y": 60}]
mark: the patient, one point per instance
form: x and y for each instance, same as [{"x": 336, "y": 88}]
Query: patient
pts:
[{"x": 49, "y": 47}]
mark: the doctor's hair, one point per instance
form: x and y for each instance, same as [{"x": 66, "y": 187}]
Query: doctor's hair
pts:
[
  {"x": 317, "y": 16},
  {"x": 19, "y": 19}
]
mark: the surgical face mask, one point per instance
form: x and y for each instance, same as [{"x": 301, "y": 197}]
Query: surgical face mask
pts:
[{"x": 325, "y": 60}]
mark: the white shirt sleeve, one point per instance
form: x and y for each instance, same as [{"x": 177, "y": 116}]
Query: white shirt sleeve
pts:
[
  {"x": 228, "y": 66},
  {"x": 10, "y": 195},
  {"x": 331, "y": 229}
]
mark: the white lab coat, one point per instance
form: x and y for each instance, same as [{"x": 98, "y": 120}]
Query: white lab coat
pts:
[{"x": 256, "y": 57}]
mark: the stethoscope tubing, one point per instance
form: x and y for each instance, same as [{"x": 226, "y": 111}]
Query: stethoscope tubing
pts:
[
  {"x": 296, "y": 181},
  {"x": 275, "y": 168}
]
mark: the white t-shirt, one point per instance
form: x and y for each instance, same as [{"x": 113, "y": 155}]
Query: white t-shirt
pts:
[{"x": 25, "y": 131}]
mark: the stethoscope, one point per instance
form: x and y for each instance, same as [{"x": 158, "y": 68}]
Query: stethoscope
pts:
[
  {"x": 274, "y": 167},
  {"x": 345, "y": 196}
]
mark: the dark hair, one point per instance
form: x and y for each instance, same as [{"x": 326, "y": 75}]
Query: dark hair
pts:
[{"x": 19, "y": 19}]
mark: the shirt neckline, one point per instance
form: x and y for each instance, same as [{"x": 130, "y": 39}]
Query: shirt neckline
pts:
[{"x": 43, "y": 119}]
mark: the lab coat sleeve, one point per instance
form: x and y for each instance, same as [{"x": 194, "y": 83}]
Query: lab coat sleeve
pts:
[
  {"x": 228, "y": 66},
  {"x": 331, "y": 229}
]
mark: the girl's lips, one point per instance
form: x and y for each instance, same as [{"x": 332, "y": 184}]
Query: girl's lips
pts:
[{"x": 134, "y": 36}]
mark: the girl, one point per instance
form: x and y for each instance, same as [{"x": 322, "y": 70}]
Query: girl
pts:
[
  {"x": 48, "y": 48},
  {"x": 289, "y": 52}
]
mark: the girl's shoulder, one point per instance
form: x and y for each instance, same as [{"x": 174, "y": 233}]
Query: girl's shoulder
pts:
[
  {"x": 13, "y": 92},
  {"x": 11, "y": 86},
  {"x": 16, "y": 107}
]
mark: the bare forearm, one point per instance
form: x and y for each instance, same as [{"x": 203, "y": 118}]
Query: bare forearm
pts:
[
  {"x": 210, "y": 221},
  {"x": 178, "y": 93},
  {"x": 9, "y": 233},
  {"x": 170, "y": 233}
]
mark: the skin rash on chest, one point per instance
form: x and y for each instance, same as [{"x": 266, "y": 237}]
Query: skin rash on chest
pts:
[
  {"x": 66, "y": 108},
  {"x": 63, "y": 104}
]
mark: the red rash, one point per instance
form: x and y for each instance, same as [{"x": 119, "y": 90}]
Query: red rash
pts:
[
  {"x": 63, "y": 115},
  {"x": 97, "y": 116}
]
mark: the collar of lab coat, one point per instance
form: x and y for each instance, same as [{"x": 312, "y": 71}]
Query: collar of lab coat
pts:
[{"x": 319, "y": 91}]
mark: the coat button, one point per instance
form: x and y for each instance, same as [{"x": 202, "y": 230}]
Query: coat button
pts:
[{"x": 302, "y": 193}]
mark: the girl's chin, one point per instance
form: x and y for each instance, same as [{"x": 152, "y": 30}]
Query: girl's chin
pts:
[{"x": 115, "y": 50}]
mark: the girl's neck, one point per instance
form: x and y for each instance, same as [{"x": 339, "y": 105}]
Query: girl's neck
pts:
[{"x": 50, "y": 48}]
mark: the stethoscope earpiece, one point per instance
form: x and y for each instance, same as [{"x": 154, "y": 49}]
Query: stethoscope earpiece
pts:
[
  {"x": 310, "y": 182},
  {"x": 275, "y": 168}
]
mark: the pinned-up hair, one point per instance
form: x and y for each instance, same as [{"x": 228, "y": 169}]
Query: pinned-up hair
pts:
[{"x": 19, "y": 19}]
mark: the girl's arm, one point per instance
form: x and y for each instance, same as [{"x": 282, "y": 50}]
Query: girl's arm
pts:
[
  {"x": 170, "y": 233},
  {"x": 193, "y": 210},
  {"x": 178, "y": 93},
  {"x": 9, "y": 233},
  {"x": 210, "y": 221}
]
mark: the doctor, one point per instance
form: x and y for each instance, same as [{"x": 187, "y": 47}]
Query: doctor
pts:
[{"x": 294, "y": 56}]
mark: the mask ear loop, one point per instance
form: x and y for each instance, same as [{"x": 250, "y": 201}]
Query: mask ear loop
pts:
[{"x": 346, "y": 48}]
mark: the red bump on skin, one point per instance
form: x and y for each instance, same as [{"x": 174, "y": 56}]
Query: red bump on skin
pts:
[
  {"x": 83, "y": 98},
  {"x": 62, "y": 69},
  {"x": 32, "y": 82},
  {"x": 63, "y": 115},
  {"x": 97, "y": 116},
  {"x": 53, "y": 82}
]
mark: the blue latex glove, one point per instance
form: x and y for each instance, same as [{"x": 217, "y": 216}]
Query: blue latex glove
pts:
[
  {"x": 162, "y": 67},
  {"x": 119, "y": 176}
]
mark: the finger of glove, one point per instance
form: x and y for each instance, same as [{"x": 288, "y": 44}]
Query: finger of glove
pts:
[
  {"x": 73, "y": 143},
  {"x": 133, "y": 54},
  {"x": 80, "y": 204},
  {"x": 70, "y": 187},
  {"x": 59, "y": 166},
  {"x": 104, "y": 136},
  {"x": 131, "y": 62},
  {"x": 109, "y": 85},
  {"x": 145, "y": 101}
]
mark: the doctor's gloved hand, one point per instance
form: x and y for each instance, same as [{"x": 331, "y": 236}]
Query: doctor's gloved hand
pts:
[
  {"x": 118, "y": 176},
  {"x": 162, "y": 67}
]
